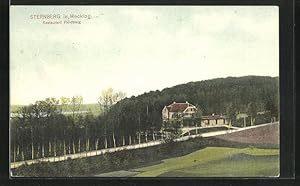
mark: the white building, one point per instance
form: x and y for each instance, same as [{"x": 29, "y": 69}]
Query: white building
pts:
[{"x": 178, "y": 111}]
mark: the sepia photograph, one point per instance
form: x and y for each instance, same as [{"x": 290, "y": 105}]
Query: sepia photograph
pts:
[{"x": 144, "y": 91}]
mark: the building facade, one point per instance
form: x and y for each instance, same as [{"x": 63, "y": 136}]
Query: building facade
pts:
[
  {"x": 177, "y": 111},
  {"x": 213, "y": 120}
]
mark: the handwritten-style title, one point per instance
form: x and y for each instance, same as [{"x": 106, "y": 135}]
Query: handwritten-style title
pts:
[{"x": 61, "y": 18}]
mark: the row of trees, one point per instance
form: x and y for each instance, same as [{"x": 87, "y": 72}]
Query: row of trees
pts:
[{"x": 43, "y": 129}]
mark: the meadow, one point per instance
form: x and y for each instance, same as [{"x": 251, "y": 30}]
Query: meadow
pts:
[{"x": 217, "y": 162}]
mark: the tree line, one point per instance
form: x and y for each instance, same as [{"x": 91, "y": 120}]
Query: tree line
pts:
[{"x": 42, "y": 129}]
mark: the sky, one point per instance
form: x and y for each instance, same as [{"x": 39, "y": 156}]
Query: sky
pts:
[{"x": 136, "y": 49}]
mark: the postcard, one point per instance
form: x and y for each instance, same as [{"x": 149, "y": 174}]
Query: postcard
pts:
[{"x": 144, "y": 91}]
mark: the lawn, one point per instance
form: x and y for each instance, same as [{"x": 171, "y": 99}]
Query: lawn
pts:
[{"x": 218, "y": 161}]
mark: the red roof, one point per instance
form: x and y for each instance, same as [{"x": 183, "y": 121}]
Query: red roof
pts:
[{"x": 178, "y": 107}]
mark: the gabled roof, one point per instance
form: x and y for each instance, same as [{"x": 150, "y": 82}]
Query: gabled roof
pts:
[
  {"x": 210, "y": 117},
  {"x": 178, "y": 107}
]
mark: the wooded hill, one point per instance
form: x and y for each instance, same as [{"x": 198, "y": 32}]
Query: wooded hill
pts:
[{"x": 227, "y": 96}]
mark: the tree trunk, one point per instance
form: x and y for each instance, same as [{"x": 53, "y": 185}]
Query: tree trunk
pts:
[
  {"x": 18, "y": 153},
  {"x": 32, "y": 147},
  {"x": 139, "y": 138},
  {"x": 123, "y": 141},
  {"x": 96, "y": 145},
  {"x": 73, "y": 145},
  {"x": 54, "y": 148},
  {"x": 244, "y": 121},
  {"x": 32, "y": 152},
  {"x": 22, "y": 152},
  {"x": 49, "y": 148},
  {"x": 129, "y": 140},
  {"x": 14, "y": 153},
  {"x": 69, "y": 147},
  {"x": 105, "y": 142},
  {"x": 79, "y": 145},
  {"x": 18, "y": 150},
  {"x": 196, "y": 128},
  {"x": 114, "y": 140},
  {"x": 146, "y": 137},
  {"x": 65, "y": 148},
  {"x": 86, "y": 144},
  {"x": 38, "y": 151},
  {"x": 43, "y": 150},
  {"x": 153, "y": 137}
]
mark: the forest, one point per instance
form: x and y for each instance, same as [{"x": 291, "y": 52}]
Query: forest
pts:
[{"x": 43, "y": 130}]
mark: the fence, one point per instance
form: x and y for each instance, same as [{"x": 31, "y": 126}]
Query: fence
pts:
[{"x": 86, "y": 154}]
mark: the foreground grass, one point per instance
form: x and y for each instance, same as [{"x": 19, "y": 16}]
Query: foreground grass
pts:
[{"x": 218, "y": 161}]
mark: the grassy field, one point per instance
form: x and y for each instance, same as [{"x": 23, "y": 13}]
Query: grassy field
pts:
[{"x": 218, "y": 161}]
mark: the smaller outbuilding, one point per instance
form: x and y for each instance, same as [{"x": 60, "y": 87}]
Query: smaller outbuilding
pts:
[{"x": 213, "y": 120}]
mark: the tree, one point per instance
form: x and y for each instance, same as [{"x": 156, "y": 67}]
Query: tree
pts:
[
  {"x": 106, "y": 100},
  {"x": 231, "y": 113},
  {"x": 272, "y": 105},
  {"x": 196, "y": 117},
  {"x": 76, "y": 102},
  {"x": 64, "y": 101},
  {"x": 252, "y": 112},
  {"x": 109, "y": 97},
  {"x": 88, "y": 122},
  {"x": 176, "y": 123}
]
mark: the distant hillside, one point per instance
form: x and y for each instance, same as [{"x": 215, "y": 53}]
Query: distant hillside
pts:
[
  {"x": 211, "y": 96},
  {"x": 93, "y": 107}
]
